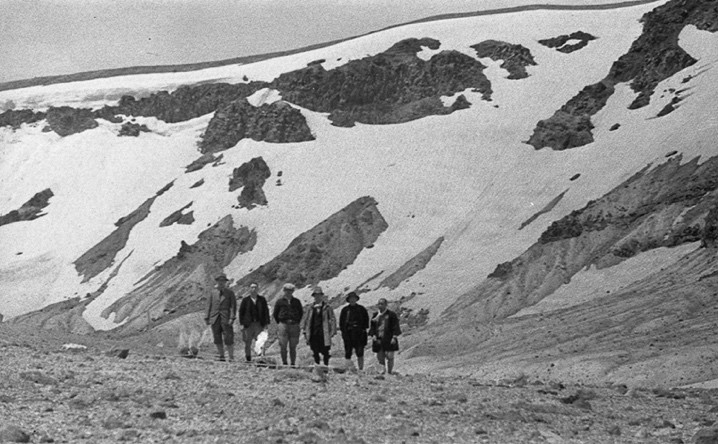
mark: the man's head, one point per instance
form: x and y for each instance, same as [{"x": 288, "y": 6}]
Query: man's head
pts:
[
  {"x": 288, "y": 290},
  {"x": 317, "y": 293},
  {"x": 253, "y": 288},
  {"x": 381, "y": 305},
  {"x": 221, "y": 280},
  {"x": 352, "y": 298}
]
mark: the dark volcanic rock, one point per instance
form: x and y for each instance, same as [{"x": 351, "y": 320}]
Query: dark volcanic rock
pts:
[
  {"x": 250, "y": 176},
  {"x": 187, "y": 102},
  {"x": 177, "y": 286},
  {"x": 277, "y": 122},
  {"x": 178, "y": 217},
  {"x": 202, "y": 161},
  {"x": 102, "y": 256},
  {"x": 391, "y": 87},
  {"x": 324, "y": 251},
  {"x": 65, "y": 120},
  {"x": 560, "y": 42},
  {"x": 412, "y": 266},
  {"x": 653, "y": 57},
  {"x": 132, "y": 129},
  {"x": 32, "y": 209},
  {"x": 688, "y": 186},
  {"x": 15, "y": 119},
  {"x": 516, "y": 57}
]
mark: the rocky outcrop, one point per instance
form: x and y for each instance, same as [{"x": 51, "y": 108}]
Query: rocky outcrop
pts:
[
  {"x": 665, "y": 206},
  {"x": 515, "y": 57},
  {"x": 250, "y": 177},
  {"x": 65, "y": 120},
  {"x": 203, "y": 160},
  {"x": 15, "y": 118},
  {"x": 178, "y": 286},
  {"x": 179, "y": 217},
  {"x": 186, "y": 102},
  {"x": 560, "y": 42},
  {"x": 132, "y": 129},
  {"x": 412, "y": 266},
  {"x": 30, "y": 210},
  {"x": 101, "y": 256},
  {"x": 325, "y": 250},
  {"x": 547, "y": 208},
  {"x": 653, "y": 57},
  {"x": 277, "y": 122},
  {"x": 391, "y": 87}
]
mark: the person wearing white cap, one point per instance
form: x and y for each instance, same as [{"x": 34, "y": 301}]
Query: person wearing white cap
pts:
[
  {"x": 319, "y": 326},
  {"x": 220, "y": 315},
  {"x": 287, "y": 314}
]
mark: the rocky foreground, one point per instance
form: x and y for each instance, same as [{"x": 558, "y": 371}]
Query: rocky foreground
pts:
[{"x": 51, "y": 391}]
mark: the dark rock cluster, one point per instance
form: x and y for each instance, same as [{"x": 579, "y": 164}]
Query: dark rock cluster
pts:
[
  {"x": 32, "y": 209},
  {"x": 173, "y": 288},
  {"x": 391, "y": 87},
  {"x": 185, "y": 103},
  {"x": 653, "y": 57},
  {"x": 688, "y": 188},
  {"x": 516, "y": 57},
  {"x": 102, "y": 255},
  {"x": 250, "y": 176},
  {"x": 65, "y": 120},
  {"x": 15, "y": 118},
  {"x": 179, "y": 217},
  {"x": 203, "y": 160},
  {"x": 325, "y": 250},
  {"x": 132, "y": 129},
  {"x": 559, "y": 43},
  {"x": 277, "y": 122}
]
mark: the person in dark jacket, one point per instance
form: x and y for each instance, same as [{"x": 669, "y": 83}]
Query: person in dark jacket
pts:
[
  {"x": 353, "y": 323},
  {"x": 319, "y": 326},
  {"x": 220, "y": 315},
  {"x": 385, "y": 328},
  {"x": 253, "y": 317},
  {"x": 288, "y": 313}
]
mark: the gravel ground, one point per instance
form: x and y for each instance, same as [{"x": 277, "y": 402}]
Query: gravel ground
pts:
[{"x": 52, "y": 394}]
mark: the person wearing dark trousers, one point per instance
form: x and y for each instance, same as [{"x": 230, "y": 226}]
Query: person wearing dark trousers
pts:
[
  {"x": 253, "y": 317},
  {"x": 319, "y": 326},
  {"x": 287, "y": 314},
  {"x": 385, "y": 328},
  {"x": 220, "y": 315},
  {"x": 353, "y": 323}
]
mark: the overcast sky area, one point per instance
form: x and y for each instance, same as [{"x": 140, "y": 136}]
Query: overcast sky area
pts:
[{"x": 52, "y": 37}]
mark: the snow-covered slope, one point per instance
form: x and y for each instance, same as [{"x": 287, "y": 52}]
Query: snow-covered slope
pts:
[{"x": 467, "y": 177}]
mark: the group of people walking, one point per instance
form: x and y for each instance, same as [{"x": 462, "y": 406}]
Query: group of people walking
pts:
[{"x": 316, "y": 321}]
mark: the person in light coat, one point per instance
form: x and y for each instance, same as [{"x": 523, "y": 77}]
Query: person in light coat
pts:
[{"x": 319, "y": 326}]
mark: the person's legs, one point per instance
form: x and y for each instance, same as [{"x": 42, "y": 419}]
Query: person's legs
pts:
[
  {"x": 249, "y": 334},
  {"x": 347, "y": 346},
  {"x": 382, "y": 359},
  {"x": 217, "y": 338},
  {"x": 360, "y": 357},
  {"x": 316, "y": 347},
  {"x": 283, "y": 339},
  {"x": 389, "y": 362},
  {"x": 294, "y": 332},
  {"x": 326, "y": 355},
  {"x": 229, "y": 340}
]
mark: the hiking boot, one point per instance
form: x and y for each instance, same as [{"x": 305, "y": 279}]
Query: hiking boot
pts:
[{"x": 221, "y": 358}]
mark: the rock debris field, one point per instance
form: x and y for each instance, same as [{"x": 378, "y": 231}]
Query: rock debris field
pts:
[{"x": 51, "y": 391}]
